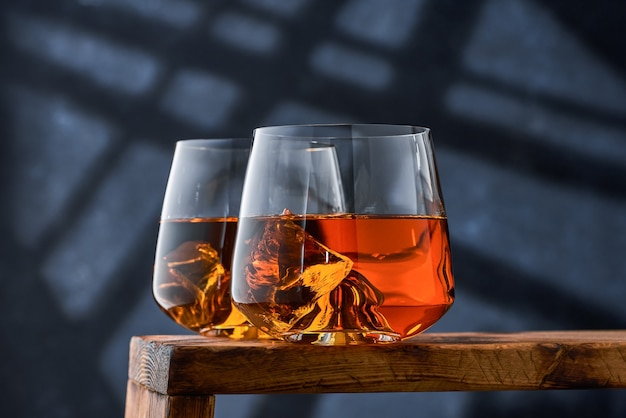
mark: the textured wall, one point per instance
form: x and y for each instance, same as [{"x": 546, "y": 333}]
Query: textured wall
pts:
[{"x": 526, "y": 99}]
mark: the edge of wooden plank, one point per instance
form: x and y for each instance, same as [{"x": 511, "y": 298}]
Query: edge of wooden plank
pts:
[
  {"x": 429, "y": 362},
  {"x": 149, "y": 361}
]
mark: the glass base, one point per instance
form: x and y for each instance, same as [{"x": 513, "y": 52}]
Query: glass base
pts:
[
  {"x": 242, "y": 332},
  {"x": 342, "y": 338}
]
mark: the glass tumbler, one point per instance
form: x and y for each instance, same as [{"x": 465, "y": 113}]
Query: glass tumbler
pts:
[
  {"x": 196, "y": 238},
  {"x": 343, "y": 235}
]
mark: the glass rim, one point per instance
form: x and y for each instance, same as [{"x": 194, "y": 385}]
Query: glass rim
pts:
[
  {"x": 388, "y": 130},
  {"x": 218, "y": 143}
]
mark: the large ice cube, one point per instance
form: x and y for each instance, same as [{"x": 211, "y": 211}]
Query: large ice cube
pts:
[
  {"x": 197, "y": 292},
  {"x": 288, "y": 271},
  {"x": 351, "y": 306}
]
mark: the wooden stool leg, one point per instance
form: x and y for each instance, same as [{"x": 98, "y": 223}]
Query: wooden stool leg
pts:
[{"x": 144, "y": 403}]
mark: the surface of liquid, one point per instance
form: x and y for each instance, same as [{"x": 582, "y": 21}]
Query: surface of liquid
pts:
[
  {"x": 191, "y": 281},
  {"x": 383, "y": 278}
]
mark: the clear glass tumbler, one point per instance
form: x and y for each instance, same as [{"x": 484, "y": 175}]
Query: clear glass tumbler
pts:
[
  {"x": 343, "y": 235},
  {"x": 191, "y": 282}
]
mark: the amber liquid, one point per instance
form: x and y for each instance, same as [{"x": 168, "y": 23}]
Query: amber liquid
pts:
[
  {"x": 191, "y": 281},
  {"x": 390, "y": 277}
]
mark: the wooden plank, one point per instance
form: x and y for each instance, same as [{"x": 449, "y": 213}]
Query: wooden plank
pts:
[
  {"x": 144, "y": 403},
  {"x": 428, "y": 362}
]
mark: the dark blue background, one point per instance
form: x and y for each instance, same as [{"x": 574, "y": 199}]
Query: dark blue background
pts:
[{"x": 526, "y": 101}]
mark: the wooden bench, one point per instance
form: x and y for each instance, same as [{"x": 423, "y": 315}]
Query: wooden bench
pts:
[{"x": 178, "y": 376}]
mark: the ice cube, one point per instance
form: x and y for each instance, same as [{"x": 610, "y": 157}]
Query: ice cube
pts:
[
  {"x": 351, "y": 306},
  {"x": 288, "y": 270},
  {"x": 197, "y": 288}
]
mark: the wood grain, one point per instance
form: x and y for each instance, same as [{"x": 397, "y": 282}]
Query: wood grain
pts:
[
  {"x": 190, "y": 365},
  {"x": 143, "y": 403}
]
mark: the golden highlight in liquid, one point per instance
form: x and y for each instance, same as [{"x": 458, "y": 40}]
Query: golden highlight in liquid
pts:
[{"x": 383, "y": 278}]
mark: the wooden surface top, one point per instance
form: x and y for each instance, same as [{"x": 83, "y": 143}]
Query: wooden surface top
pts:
[{"x": 196, "y": 365}]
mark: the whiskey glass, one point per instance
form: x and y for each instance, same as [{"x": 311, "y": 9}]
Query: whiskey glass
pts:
[
  {"x": 191, "y": 281},
  {"x": 343, "y": 235}
]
